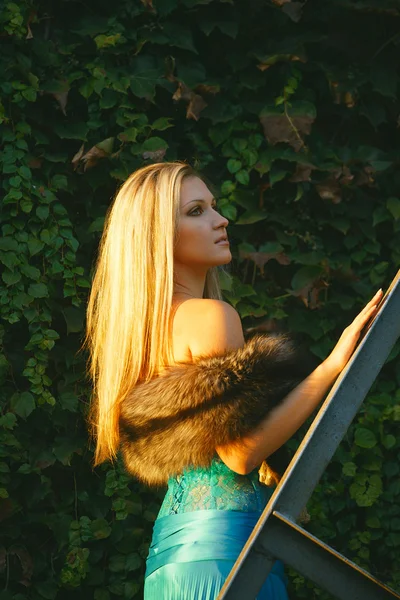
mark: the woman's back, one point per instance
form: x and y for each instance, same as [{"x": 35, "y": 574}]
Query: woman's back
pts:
[{"x": 214, "y": 488}]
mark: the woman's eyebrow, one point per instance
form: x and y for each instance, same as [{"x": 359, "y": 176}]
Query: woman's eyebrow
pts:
[{"x": 198, "y": 200}]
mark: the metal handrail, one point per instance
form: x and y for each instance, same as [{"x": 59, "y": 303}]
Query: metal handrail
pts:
[{"x": 326, "y": 567}]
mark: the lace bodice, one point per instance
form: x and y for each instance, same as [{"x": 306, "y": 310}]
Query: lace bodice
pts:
[{"x": 214, "y": 487}]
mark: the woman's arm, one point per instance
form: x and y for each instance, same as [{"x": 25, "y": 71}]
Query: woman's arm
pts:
[
  {"x": 285, "y": 419},
  {"x": 214, "y": 326}
]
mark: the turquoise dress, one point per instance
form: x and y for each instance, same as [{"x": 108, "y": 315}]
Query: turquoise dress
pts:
[{"x": 205, "y": 519}]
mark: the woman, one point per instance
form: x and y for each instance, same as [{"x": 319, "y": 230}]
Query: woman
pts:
[{"x": 179, "y": 391}]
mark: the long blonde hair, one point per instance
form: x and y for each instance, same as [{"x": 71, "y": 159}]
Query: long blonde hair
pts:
[{"x": 128, "y": 314}]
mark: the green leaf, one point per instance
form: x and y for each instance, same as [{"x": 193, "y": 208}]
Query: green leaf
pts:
[
  {"x": 380, "y": 215},
  {"x": 133, "y": 561},
  {"x": 74, "y": 318},
  {"x": 38, "y": 290},
  {"x": 349, "y": 469},
  {"x": 117, "y": 563},
  {"x": 384, "y": 78},
  {"x": 106, "y": 41},
  {"x": 34, "y": 246},
  {"x": 373, "y": 522},
  {"x": 364, "y": 438},
  {"x": 252, "y": 216},
  {"x": 101, "y": 594},
  {"x": 145, "y": 76},
  {"x": 31, "y": 272},
  {"x": 128, "y": 135},
  {"x": 23, "y": 404},
  {"x": 153, "y": 144},
  {"x": 64, "y": 448},
  {"x": 71, "y": 131},
  {"x": 239, "y": 144},
  {"x": 234, "y": 165},
  {"x": 341, "y": 224},
  {"x": 389, "y": 441},
  {"x": 366, "y": 490},
  {"x": 69, "y": 401},
  {"x": 26, "y": 205},
  {"x": 11, "y": 278},
  {"x": 97, "y": 225},
  {"x": 8, "y": 421},
  {"x": 229, "y": 211},
  {"x": 393, "y": 205},
  {"x": 25, "y": 172},
  {"x": 225, "y": 280},
  {"x": 42, "y": 212},
  {"x": 8, "y": 243},
  {"x": 100, "y": 529},
  {"x": 227, "y": 187},
  {"x": 243, "y": 177},
  {"x": 59, "y": 182},
  {"x": 162, "y": 123},
  {"x": 305, "y": 276},
  {"x": 47, "y": 589}
]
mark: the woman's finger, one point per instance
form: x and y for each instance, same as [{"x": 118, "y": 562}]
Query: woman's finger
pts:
[
  {"x": 373, "y": 301},
  {"x": 364, "y": 317},
  {"x": 372, "y": 304}
]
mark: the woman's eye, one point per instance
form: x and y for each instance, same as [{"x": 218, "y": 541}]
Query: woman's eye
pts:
[{"x": 195, "y": 211}]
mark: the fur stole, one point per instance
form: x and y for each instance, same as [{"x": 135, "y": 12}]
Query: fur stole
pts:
[{"x": 177, "y": 419}]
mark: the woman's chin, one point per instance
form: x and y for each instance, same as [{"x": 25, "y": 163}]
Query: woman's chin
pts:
[{"x": 224, "y": 260}]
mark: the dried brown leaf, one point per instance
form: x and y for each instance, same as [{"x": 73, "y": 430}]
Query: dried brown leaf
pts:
[
  {"x": 32, "y": 15},
  {"x": 278, "y": 128},
  {"x": 266, "y": 326},
  {"x": 346, "y": 176},
  {"x": 302, "y": 172},
  {"x": 294, "y": 11},
  {"x": 203, "y": 88},
  {"x": 365, "y": 177},
  {"x": 35, "y": 163},
  {"x": 75, "y": 161},
  {"x": 62, "y": 99},
  {"x": 330, "y": 189},
  {"x": 26, "y": 563},
  {"x": 156, "y": 155},
  {"x": 196, "y": 105},
  {"x": 261, "y": 258},
  {"x": 92, "y": 157},
  {"x": 309, "y": 294},
  {"x": 7, "y": 508},
  {"x": 183, "y": 92}
]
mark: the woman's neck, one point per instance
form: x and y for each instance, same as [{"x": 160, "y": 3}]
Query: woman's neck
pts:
[{"x": 192, "y": 287}]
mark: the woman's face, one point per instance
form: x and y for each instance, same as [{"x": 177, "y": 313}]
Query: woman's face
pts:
[{"x": 200, "y": 228}]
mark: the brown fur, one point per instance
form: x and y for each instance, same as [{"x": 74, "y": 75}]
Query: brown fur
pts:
[{"x": 177, "y": 419}]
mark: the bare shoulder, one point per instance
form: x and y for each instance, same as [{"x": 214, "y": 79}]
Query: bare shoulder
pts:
[{"x": 211, "y": 326}]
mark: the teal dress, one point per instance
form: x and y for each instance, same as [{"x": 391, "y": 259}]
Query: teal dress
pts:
[{"x": 205, "y": 519}]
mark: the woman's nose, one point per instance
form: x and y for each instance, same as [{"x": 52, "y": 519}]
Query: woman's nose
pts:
[{"x": 221, "y": 222}]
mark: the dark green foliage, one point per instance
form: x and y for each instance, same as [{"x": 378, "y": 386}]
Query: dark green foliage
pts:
[{"x": 292, "y": 110}]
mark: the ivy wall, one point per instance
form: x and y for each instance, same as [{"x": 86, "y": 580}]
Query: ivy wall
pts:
[{"x": 292, "y": 110}]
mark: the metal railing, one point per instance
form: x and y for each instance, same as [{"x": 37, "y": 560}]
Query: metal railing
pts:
[{"x": 277, "y": 535}]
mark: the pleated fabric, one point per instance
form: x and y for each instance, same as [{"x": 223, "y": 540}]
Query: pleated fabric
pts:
[{"x": 192, "y": 554}]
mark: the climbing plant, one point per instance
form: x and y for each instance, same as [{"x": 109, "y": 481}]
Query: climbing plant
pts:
[{"x": 291, "y": 109}]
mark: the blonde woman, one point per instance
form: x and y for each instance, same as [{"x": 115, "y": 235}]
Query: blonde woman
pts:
[{"x": 177, "y": 389}]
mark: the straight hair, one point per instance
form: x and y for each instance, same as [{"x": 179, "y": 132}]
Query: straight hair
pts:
[{"x": 128, "y": 325}]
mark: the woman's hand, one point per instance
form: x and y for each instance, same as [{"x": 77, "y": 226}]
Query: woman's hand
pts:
[{"x": 343, "y": 350}]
